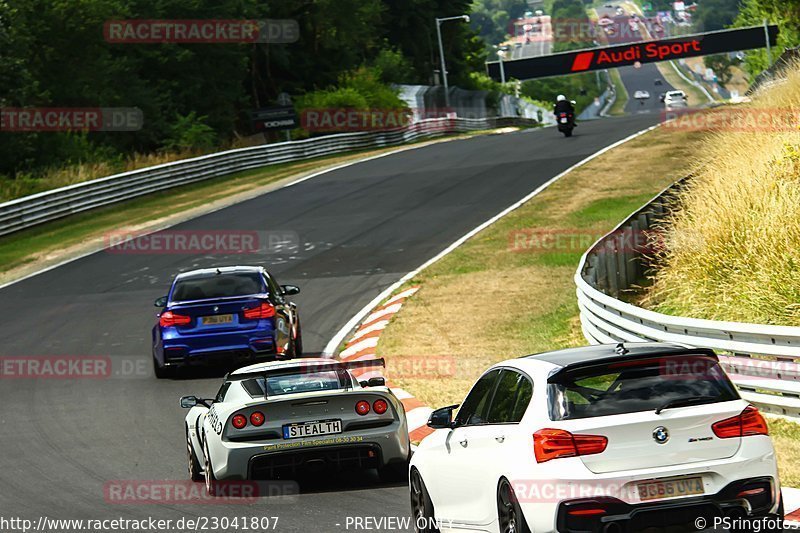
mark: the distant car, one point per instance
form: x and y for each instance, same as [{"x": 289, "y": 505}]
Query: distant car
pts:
[
  {"x": 225, "y": 315},
  {"x": 518, "y": 45},
  {"x": 609, "y": 6},
  {"x": 675, "y": 99},
  {"x": 277, "y": 419},
  {"x": 658, "y": 81},
  {"x": 539, "y": 12},
  {"x": 626, "y": 438},
  {"x": 641, "y": 95},
  {"x": 620, "y": 11}
]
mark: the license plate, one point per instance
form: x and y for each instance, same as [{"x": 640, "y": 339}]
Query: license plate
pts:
[
  {"x": 312, "y": 429},
  {"x": 653, "y": 490},
  {"x": 563, "y": 121},
  {"x": 217, "y": 319}
]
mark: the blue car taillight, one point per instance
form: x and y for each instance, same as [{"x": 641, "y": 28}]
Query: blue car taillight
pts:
[
  {"x": 168, "y": 318},
  {"x": 265, "y": 310}
]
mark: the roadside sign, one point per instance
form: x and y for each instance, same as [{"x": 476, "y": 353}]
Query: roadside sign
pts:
[
  {"x": 700, "y": 44},
  {"x": 274, "y": 118}
]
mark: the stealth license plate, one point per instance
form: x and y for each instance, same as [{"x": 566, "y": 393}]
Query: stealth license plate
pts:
[
  {"x": 312, "y": 429},
  {"x": 654, "y": 490}
]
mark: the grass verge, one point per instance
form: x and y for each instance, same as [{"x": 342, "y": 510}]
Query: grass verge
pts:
[
  {"x": 508, "y": 291},
  {"x": 622, "y": 94},
  {"x": 696, "y": 96}
]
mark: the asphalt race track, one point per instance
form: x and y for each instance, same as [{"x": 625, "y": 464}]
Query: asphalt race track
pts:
[
  {"x": 362, "y": 228},
  {"x": 637, "y": 79}
]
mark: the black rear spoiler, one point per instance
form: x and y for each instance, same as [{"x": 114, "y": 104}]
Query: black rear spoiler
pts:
[
  {"x": 622, "y": 357},
  {"x": 311, "y": 367}
]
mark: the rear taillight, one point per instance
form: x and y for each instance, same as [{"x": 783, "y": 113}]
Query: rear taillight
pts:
[
  {"x": 380, "y": 406},
  {"x": 362, "y": 407},
  {"x": 595, "y": 511},
  {"x": 749, "y": 422},
  {"x": 555, "y": 443},
  {"x": 168, "y": 318},
  {"x": 265, "y": 310},
  {"x": 239, "y": 421},
  {"x": 257, "y": 418}
]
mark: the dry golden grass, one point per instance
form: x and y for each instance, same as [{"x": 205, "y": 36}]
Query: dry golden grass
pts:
[
  {"x": 485, "y": 302},
  {"x": 785, "y": 436},
  {"x": 733, "y": 248}
]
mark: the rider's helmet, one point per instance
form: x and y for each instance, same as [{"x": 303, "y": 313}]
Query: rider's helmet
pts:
[{"x": 560, "y": 98}]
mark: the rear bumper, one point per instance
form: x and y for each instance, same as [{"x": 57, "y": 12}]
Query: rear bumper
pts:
[
  {"x": 236, "y": 346},
  {"x": 686, "y": 513},
  {"x": 273, "y": 458}
]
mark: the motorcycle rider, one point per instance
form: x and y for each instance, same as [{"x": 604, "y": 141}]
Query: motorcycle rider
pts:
[{"x": 563, "y": 106}]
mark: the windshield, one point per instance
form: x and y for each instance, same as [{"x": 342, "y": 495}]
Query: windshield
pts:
[
  {"x": 633, "y": 386},
  {"x": 217, "y": 286},
  {"x": 270, "y": 386}
]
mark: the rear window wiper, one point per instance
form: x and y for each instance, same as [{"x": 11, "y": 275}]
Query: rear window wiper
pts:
[{"x": 683, "y": 402}]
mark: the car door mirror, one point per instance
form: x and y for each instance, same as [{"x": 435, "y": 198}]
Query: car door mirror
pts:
[
  {"x": 187, "y": 402},
  {"x": 376, "y": 382},
  {"x": 442, "y": 418},
  {"x": 161, "y": 302},
  {"x": 289, "y": 290}
]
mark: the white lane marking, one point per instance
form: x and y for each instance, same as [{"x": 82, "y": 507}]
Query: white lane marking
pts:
[
  {"x": 418, "y": 417},
  {"x": 387, "y": 311},
  {"x": 337, "y": 339},
  {"x": 377, "y": 326},
  {"x": 401, "y": 295},
  {"x": 181, "y": 221},
  {"x": 371, "y": 342}
]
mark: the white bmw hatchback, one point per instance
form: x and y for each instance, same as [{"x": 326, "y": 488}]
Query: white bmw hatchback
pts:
[{"x": 597, "y": 439}]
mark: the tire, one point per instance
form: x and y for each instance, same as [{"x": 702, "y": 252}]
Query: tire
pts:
[
  {"x": 212, "y": 485},
  {"x": 422, "y": 512},
  {"x": 161, "y": 372},
  {"x": 567, "y": 133},
  {"x": 193, "y": 465},
  {"x": 394, "y": 472},
  {"x": 298, "y": 341},
  {"x": 509, "y": 514}
]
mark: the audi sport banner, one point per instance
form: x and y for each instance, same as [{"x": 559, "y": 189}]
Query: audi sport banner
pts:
[{"x": 699, "y": 44}]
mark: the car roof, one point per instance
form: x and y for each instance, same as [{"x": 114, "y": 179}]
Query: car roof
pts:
[
  {"x": 276, "y": 365},
  {"x": 205, "y": 272},
  {"x": 631, "y": 350}
]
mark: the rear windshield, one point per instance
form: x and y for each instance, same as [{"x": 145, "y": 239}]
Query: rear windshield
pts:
[
  {"x": 271, "y": 386},
  {"x": 218, "y": 286},
  {"x": 643, "y": 385}
]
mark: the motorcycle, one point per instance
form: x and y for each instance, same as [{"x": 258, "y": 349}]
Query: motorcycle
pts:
[{"x": 566, "y": 123}]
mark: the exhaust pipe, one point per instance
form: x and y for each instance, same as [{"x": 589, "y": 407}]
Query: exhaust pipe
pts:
[
  {"x": 612, "y": 527},
  {"x": 736, "y": 512}
]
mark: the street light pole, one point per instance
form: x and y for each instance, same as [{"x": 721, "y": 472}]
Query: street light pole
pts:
[{"x": 441, "y": 53}]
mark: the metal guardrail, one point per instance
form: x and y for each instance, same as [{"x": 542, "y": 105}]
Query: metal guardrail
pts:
[
  {"x": 47, "y": 206},
  {"x": 761, "y": 359}
]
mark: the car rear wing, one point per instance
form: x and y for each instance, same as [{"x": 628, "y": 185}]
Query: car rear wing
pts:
[
  {"x": 316, "y": 366},
  {"x": 623, "y": 357}
]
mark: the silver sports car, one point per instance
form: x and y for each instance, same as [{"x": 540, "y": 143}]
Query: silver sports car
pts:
[{"x": 272, "y": 420}]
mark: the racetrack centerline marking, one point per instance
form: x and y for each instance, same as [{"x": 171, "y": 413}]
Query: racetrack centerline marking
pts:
[{"x": 160, "y": 227}]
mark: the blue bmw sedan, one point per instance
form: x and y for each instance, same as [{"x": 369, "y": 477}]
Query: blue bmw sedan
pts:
[{"x": 228, "y": 315}]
